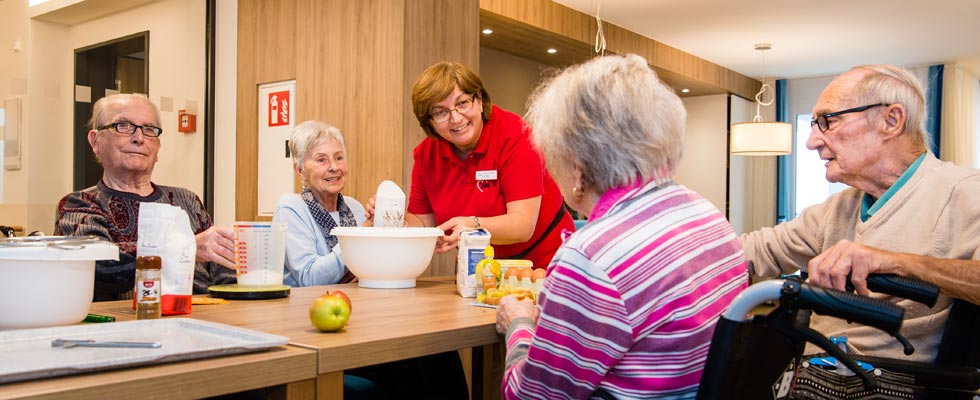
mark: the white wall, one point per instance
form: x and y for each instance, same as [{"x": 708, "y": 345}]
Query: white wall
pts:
[
  {"x": 47, "y": 152},
  {"x": 42, "y": 73},
  {"x": 225, "y": 88},
  {"x": 14, "y": 83},
  {"x": 752, "y": 179},
  {"x": 704, "y": 166},
  {"x": 177, "y": 57},
  {"x": 509, "y": 79}
]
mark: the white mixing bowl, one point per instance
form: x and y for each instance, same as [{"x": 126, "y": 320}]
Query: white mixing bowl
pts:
[
  {"x": 48, "y": 280},
  {"x": 386, "y": 257}
]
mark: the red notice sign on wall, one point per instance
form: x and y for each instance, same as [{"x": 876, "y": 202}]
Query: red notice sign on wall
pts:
[{"x": 279, "y": 108}]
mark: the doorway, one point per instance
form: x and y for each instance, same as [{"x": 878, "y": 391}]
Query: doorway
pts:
[{"x": 120, "y": 65}]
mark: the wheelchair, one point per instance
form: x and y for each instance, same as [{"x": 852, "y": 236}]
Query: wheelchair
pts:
[{"x": 758, "y": 357}]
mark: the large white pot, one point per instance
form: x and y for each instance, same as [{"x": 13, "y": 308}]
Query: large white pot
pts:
[
  {"x": 48, "y": 280},
  {"x": 386, "y": 257}
]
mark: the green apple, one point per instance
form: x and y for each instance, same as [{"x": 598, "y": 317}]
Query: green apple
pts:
[{"x": 329, "y": 313}]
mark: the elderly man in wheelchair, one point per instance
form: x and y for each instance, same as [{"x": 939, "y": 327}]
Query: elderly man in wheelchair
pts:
[{"x": 906, "y": 214}]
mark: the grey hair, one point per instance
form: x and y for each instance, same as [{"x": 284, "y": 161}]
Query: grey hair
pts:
[
  {"x": 894, "y": 85},
  {"x": 100, "y": 108},
  {"x": 613, "y": 119},
  {"x": 310, "y": 134}
]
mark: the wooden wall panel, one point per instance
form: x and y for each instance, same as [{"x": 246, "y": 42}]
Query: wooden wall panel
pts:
[
  {"x": 676, "y": 67},
  {"x": 354, "y": 63},
  {"x": 246, "y": 143},
  {"x": 349, "y": 56},
  {"x": 266, "y": 53},
  {"x": 435, "y": 30}
]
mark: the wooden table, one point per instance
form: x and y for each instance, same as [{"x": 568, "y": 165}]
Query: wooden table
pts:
[
  {"x": 386, "y": 325},
  {"x": 288, "y": 372}
]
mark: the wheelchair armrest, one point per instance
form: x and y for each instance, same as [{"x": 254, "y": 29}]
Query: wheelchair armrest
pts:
[{"x": 928, "y": 374}]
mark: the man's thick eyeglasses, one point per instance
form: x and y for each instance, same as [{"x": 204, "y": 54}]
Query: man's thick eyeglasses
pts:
[
  {"x": 129, "y": 128},
  {"x": 442, "y": 115},
  {"x": 823, "y": 124}
]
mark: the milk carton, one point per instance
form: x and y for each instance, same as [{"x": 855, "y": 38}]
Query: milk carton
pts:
[
  {"x": 389, "y": 206},
  {"x": 471, "y": 245}
]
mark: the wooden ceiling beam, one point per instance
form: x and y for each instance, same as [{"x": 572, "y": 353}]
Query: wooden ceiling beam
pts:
[{"x": 527, "y": 27}]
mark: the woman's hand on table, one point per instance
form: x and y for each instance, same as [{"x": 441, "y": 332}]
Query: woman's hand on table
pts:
[{"x": 511, "y": 309}]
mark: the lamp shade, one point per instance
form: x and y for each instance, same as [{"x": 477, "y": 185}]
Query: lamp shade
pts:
[{"x": 762, "y": 138}]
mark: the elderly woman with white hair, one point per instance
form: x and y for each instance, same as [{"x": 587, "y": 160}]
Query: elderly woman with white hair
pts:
[
  {"x": 631, "y": 299},
  {"x": 320, "y": 160}
]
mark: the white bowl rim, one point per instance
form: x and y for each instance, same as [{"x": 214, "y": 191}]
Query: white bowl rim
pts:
[{"x": 382, "y": 232}]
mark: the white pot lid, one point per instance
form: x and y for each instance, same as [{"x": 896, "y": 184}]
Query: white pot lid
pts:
[{"x": 67, "y": 248}]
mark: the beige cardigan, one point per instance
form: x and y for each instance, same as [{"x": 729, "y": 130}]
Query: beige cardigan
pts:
[{"x": 936, "y": 213}]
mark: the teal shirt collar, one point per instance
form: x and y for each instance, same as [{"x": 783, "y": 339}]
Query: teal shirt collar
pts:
[{"x": 869, "y": 206}]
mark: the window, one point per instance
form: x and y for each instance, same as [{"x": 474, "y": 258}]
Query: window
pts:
[{"x": 810, "y": 173}]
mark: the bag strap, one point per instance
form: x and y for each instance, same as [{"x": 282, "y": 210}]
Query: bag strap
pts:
[{"x": 551, "y": 226}]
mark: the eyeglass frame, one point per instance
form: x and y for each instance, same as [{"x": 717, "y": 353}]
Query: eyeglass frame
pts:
[
  {"x": 826, "y": 125},
  {"x": 449, "y": 111},
  {"x": 156, "y": 131}
]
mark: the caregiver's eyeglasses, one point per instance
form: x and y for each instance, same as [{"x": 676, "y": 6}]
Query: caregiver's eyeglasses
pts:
[
  {"x": 823, "y": 124},
  {"x": 442, "y": 115},
  {"x": 129, "y": 128}
]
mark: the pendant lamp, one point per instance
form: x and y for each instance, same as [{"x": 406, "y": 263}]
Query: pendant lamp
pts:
[{"x": 758, "y": 138}]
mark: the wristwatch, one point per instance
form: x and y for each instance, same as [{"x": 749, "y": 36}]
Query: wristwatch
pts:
[{"x": 477, "y": 221}]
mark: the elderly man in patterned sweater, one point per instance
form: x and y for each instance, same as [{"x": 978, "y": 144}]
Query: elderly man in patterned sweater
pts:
[{"x": 125, "y": 137}]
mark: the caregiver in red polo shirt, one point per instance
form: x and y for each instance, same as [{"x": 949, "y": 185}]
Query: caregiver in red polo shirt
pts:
[{"x": 477, "y": 168}]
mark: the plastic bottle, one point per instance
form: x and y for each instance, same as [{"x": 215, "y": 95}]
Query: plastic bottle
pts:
[
  {"x": 488, "y": 270},
  {"x": 147, "y": 291}
]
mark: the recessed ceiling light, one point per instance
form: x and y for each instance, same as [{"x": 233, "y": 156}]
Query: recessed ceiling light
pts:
[
  {"x": 487, "y": 31},
  {"x": 685, "y": 90},
  {"x": 552, "y": 51}
]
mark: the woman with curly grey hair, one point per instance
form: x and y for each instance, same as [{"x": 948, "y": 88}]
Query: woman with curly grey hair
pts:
[{"x": 631, "y": 299}]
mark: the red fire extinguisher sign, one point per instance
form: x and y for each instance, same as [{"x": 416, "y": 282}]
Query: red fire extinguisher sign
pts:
[{"x": 279, "y": 108}]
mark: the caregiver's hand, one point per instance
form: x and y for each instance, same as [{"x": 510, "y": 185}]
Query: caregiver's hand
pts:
[{"x": 453, "y": 227}]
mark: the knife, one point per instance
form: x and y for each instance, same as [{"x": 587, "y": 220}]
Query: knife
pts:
[{"x": 69, "y": 343}]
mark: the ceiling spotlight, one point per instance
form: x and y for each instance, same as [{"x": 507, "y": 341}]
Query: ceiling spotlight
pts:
[
  {"x": 552, "y": 51},
  {"x": 685, "y": 90},
  {"x": 487, "y": 31}
]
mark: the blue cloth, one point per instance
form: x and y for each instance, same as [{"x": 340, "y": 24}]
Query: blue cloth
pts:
[
  {"x": 870, "y": 205},
  {"x": 310, "y": 260}
]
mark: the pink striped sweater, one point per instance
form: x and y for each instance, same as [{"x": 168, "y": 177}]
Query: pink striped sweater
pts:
[{"x": 630, "y": 302}]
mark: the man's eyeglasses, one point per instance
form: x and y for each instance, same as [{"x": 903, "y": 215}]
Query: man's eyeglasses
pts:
[
  {"x": 823, "y": 124},
  {"x": 462, "y": 106},
  {"x": 129, "y": 128}
]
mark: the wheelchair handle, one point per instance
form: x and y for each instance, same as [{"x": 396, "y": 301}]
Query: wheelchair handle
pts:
[
  {"x": 907, "y": 288},
  {"x": 852, "y": 307},
  {"x": 865, "y": 310},
  {"x": 752, "y": 297}
]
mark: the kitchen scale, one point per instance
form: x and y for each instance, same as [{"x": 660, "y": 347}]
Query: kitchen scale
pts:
[{"x": 249, "y": 292}]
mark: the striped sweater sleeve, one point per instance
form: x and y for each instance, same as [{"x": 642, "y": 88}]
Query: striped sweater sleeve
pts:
[{"x": 582, "y": 332}]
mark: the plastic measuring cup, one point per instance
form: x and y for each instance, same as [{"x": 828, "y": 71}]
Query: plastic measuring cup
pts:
[{"x": 260, "y": 252}]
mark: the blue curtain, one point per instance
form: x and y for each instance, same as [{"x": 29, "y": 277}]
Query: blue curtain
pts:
[
  {"x": 783, "y": 185},
  {"x": 934, "y": 106}
]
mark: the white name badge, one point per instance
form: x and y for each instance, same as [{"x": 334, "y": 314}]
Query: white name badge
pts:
[{"x": 486, "y": 175}]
